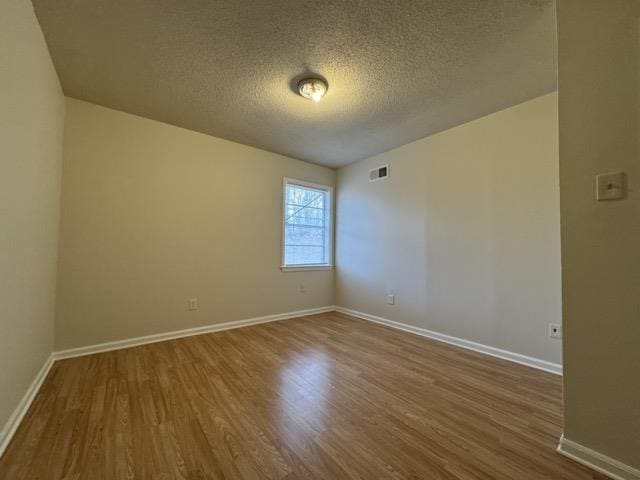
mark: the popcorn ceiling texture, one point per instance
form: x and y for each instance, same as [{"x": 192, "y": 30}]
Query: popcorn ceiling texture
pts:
[{"x": 397, "y": 70}]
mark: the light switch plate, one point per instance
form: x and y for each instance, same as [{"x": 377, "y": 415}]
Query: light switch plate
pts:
[{"x": 611, "y": 186}]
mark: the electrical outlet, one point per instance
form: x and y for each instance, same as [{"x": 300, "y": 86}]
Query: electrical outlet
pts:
[
  {"x": 611, "y": 186},
  {"x": 391, "y": 299},
  {"x": 555, "y": 330},
  {"x": 193, "y": 304},
  {"x": 303, "y": 289}
]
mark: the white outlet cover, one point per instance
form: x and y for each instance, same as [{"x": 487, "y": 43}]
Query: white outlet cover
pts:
[
  {"x": 193, "y": 304},
  {"x": 555, "y": 330},
  {"x": 391, "y": 299},
  {"x": 611, "y": 186}
]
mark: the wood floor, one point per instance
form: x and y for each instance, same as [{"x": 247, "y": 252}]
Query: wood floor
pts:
[{"x": 320, "y": 397}]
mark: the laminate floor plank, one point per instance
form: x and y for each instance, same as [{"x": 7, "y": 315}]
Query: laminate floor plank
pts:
[{"x": 320, "y": 397}]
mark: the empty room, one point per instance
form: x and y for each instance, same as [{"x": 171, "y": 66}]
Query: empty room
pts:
[{"x": 345, "y": 239}]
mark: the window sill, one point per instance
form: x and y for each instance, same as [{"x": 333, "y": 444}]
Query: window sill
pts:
[{"x": 305, "y": 268}]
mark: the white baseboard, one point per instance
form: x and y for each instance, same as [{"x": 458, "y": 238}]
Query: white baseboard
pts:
[
  {"x": 597, "y": 461},
  {"x": 460, "y": 342},
  {"x": 18, "y": 414},
  {"x": 160, "y": 337}
]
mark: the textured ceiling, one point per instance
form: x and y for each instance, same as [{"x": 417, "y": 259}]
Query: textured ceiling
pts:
[{"x": 398, "y": 70}]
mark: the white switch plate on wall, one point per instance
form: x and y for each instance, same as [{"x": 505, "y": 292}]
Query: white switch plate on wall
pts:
[
  {"x": 391, "y": 299},
  {"x": 611, "y": 186}
]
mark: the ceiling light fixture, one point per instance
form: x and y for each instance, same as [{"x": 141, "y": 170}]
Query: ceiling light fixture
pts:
[{"x": 312, "y": 88}]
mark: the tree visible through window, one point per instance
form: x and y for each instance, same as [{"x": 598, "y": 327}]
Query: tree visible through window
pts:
[{"x": 307, "y": 224}]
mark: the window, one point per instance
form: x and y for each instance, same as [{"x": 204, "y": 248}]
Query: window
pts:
[{"x": 307, "y": 222}]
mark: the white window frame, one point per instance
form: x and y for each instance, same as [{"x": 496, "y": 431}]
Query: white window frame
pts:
[{"x": 328, "y": 233}]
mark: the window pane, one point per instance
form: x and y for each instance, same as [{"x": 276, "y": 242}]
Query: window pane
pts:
[
  {"x": 305, "y": 226},
  {"x": 305, "y": 196},
  {"x": 304, "y": 255},
  {"x": 304, "y": 236}
]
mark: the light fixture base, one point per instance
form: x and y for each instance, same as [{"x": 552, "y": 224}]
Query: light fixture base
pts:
[{"x": 312, "y": 88}]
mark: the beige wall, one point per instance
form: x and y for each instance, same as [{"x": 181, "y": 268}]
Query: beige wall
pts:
[
  {"x": 31, "y": 129},
  {"x": 599, "y": 126},
  {"x": 465, "y": 232},
  {"x": 153, "y": 215}
]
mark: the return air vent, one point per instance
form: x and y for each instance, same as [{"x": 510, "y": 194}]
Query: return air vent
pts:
[{"x": 379, "y": 173}]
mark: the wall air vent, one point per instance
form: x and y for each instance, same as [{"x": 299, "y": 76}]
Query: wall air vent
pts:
[{"x": 379, "y": 173}]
